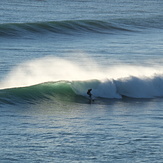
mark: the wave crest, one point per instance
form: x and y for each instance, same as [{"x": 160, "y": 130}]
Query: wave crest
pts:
[
  {"x": 72, "y": 27},
  {"x": 72, "y": 82},
  {"x": 60, "y": 27},
  {"x": 76, "y": 91}
]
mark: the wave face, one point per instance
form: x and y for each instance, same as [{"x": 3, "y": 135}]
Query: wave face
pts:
[
  {"x": 72, "y": 27},
  {"x": 76, "y": 91},
  {"x": 32, "y": 94},
  {"x": 45, "y": 78},
  {"x": 60, "y": 27}
]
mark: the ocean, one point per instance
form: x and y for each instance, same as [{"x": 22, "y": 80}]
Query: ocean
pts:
[{"x": 52, "y": 52}]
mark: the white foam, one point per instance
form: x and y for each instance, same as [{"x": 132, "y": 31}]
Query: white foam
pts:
[
  {"x": 142, "y": 87},
  {"x": 100, "y": 88},
  {"x": 111, "y": 81}
]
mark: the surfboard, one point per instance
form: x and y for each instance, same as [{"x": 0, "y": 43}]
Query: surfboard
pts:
[{"x": 91, "y": 100}]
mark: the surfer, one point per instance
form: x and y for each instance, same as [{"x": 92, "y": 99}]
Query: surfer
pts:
[{"x": 89, "y": 93}]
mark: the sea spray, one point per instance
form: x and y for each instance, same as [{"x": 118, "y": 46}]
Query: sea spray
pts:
[
  {"x": 50, "y": 69},
  {"x": 108, "y": 82}
]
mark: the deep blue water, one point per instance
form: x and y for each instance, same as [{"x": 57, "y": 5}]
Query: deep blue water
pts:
[{"x": 52, "y": 52}]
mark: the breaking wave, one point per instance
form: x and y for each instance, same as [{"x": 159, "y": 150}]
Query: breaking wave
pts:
[
  {"x": 45, "y": 78},
  {"x": 76, "y": 91}
]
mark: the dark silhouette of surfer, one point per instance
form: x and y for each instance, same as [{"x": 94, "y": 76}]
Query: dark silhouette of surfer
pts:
[{"x": 89, "y": 93}]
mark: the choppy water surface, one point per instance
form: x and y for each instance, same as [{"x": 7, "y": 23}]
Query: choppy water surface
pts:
[{"x": 52, "y": 52}]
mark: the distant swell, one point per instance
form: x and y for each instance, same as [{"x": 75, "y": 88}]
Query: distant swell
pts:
[
  {"x": 60, "y": 27},
  {"x": 80, "y": 26}
]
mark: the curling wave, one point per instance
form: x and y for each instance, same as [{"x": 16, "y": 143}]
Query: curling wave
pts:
[{"x": 75, "y": 91}]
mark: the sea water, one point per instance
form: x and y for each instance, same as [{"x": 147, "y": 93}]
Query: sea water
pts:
[{"x": 52, "y": 52}]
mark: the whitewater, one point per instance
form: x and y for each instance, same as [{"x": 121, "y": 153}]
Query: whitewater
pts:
[
  {"x": 52, "y": 52},
  {"x": 109, "y": 82}
]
